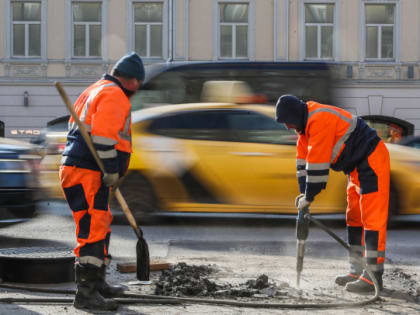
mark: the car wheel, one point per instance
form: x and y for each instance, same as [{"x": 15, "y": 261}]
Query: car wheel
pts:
[
  {"x": 393, "y": 203},
  {"x": 139, "y": 195}
]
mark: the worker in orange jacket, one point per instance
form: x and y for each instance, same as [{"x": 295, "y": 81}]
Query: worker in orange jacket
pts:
[
  {"x": 330, "y": 137},
  {"x": 105, "y": 109}
]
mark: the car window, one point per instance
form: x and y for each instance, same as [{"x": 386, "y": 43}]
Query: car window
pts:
[
  {"x": 184, "y": 84},
  {"x": 223, "y": 125},
  {"x": 390, "y": 133},
  {"x": 248, "y": 126},
  {"x": 205, "y": 125},
  {"x": 306, "y": 84},
  {"x": 167, "y": 88},
  {"x": 390, "y": 129},
  {"x": 60, "y": 126}
]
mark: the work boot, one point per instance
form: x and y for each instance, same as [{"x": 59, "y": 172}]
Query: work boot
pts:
[
  {"x": 87, "y": 295},
  {"x": 343, "y": 280},
  {"x": 365, "y": 284},
  {"x": 107, "y": 290}
]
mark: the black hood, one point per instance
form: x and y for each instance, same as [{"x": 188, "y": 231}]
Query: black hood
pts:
[{"x": 291, "y": 110}]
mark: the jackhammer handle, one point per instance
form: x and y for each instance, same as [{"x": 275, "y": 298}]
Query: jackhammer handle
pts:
[{"x": 302, "y": 225}]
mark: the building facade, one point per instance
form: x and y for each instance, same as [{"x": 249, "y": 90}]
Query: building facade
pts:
[{"x": 375, "y": 44}]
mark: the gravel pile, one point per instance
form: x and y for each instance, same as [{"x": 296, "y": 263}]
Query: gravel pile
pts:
[
  {"x": 184, "y": 280},
  {"x": 402, "y": 281}
]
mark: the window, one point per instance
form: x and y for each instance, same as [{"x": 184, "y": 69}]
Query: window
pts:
[
  {"x": 319, "y": 30},
  {"x": 390, "y": 129},
  {"x": 379, "y": 30},
  {"x": 183, "y": 84},
  {"x": 223, "y": 125},
  {"x": 248, "y": 126},
  {"x": 233, "y": 31},
  {"x": 148, "y": 29},
  {"x": 87, "y": 29},
  {"x": 26, "y": 28},
  {"x": 204, "y": 125}
]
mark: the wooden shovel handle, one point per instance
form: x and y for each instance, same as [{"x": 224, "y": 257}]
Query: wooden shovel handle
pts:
[{"x": 127, "y": 212}]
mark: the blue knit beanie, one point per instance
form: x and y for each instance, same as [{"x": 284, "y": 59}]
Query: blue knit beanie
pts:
[{"x": 131, "y": 65}]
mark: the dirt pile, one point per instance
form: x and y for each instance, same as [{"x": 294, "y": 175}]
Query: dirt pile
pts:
[
  {"x": 184, "y": 280},
  {"x": 181, "y": 279},
  {"x": 402, "y": 281}
]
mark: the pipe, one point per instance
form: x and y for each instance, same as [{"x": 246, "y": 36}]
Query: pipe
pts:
[
  {"x": 346, "y": 246},
  {"x": 70, "y": 301},
  {"x": 130, "y": 298}
]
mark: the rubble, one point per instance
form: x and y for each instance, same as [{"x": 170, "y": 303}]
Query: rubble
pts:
[
  {"x": 185, "y": 280},
  {"x": 402, "y": 281},
  {"x": 213, "y": 281}
]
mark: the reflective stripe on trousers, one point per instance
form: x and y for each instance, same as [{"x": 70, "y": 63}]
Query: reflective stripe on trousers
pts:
[
  {"x": 367, "y": 204},
  {"x": 87, "y": 198}
]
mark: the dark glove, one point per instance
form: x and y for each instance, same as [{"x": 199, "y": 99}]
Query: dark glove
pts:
[{"x": 110, "y": 179}]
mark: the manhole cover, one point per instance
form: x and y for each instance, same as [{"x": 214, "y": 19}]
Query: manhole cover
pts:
[{"x": 37, "y": 264}]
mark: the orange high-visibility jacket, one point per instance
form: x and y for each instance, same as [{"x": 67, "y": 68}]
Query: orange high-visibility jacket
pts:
[
  {"x": 332, "y": 138},
  {"x": 105, "y": 110}
]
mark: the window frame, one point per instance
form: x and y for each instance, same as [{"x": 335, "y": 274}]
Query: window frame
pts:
[
  {"x": 70, "y": 31},
  {"x": 8, "y": 30},
  {"x": 335, "y": 25},
  {"x": 363, "y": 30},
  {"x": 218, "y": 24},
  {"x": 165, "y": 29}
]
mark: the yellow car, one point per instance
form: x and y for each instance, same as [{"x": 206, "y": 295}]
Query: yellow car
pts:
[{"x": 232, "y": 156}]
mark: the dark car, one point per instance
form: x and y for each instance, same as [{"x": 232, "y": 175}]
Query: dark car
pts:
[
  {"x": 182, "y": 82},
  {"x": 19, "y": 164}
]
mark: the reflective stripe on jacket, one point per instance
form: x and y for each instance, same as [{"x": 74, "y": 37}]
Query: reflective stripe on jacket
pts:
[
  {"x": 105, "y": 111},
  {"x": 333, "y": 138}
]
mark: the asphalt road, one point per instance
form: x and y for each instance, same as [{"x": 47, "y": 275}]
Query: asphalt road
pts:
[{"x": 208, "y": 238}]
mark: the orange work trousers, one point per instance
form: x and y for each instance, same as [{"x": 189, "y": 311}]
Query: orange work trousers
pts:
[
  {"x": 367, "y": 206},
  {"x": 87, "y": 198}
]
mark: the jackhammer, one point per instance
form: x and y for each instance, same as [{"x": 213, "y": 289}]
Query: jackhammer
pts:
[{"x": 302, "y": 229}]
